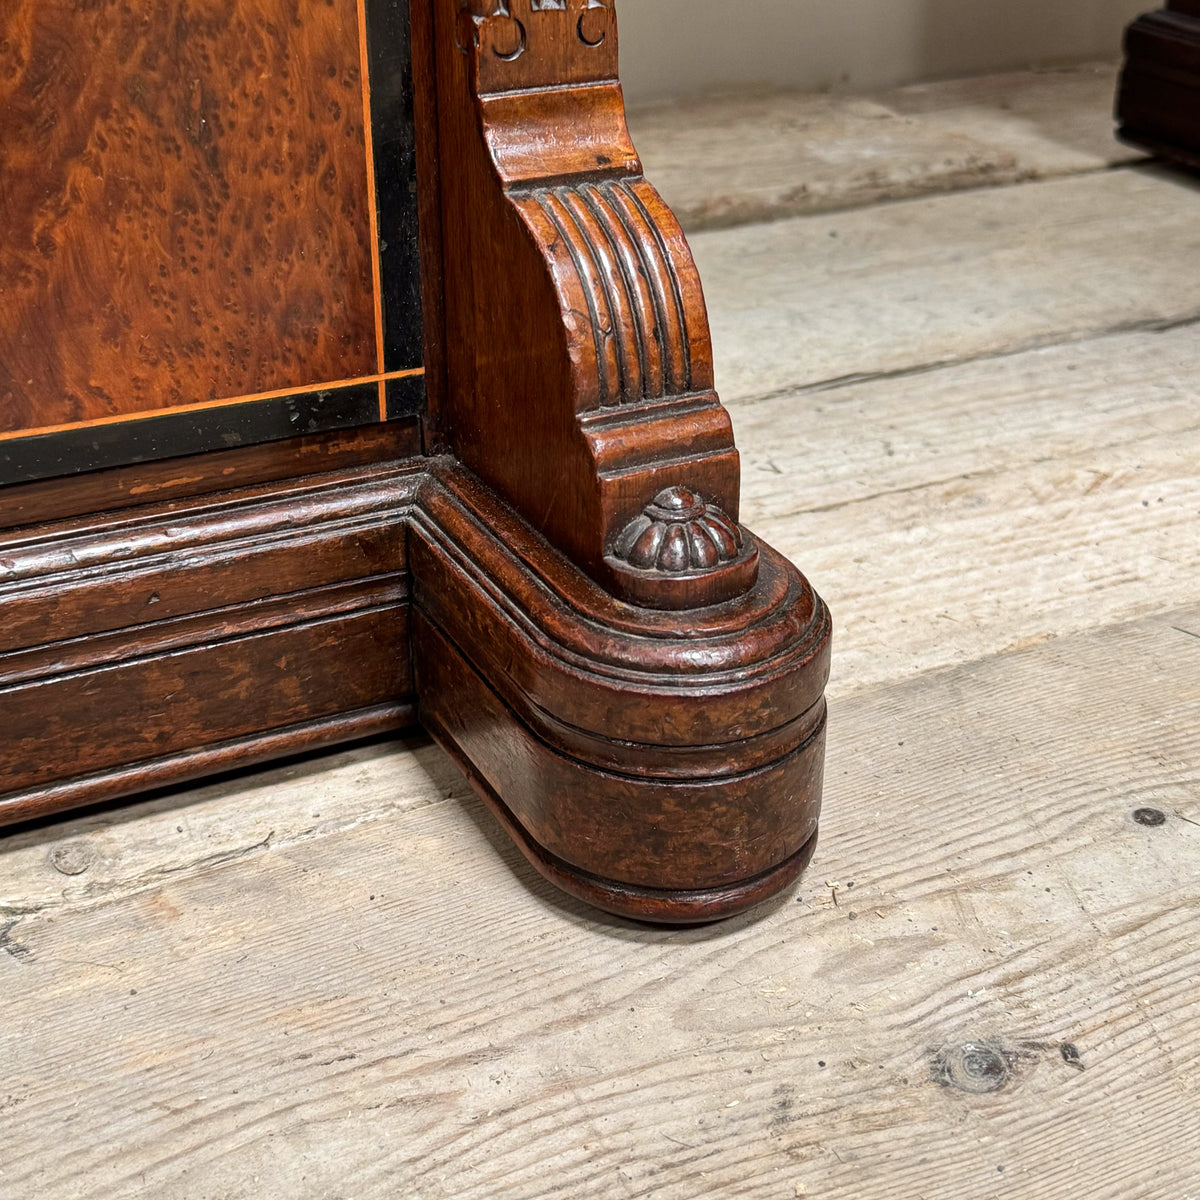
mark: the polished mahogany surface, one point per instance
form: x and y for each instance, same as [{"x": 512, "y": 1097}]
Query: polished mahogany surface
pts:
[{"x": 191, "y": 216}]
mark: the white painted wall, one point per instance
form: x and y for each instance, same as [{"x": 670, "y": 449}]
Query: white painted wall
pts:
[{"x": 681, "y": 47}]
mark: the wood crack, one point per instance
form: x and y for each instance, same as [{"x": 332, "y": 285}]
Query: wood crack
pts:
[{"x": 1026, "y": 346}]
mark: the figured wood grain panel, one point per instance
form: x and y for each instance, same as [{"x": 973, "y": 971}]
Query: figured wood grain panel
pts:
[{"x": 184, "y": 200}]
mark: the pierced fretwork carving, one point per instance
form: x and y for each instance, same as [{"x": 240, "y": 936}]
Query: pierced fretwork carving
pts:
[{"x": 503, "y": 31}]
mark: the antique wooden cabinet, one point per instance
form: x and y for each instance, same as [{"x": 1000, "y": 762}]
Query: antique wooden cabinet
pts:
[
  {"x": 1159, "y": 102},
  {"x": 353, "y": 377}
]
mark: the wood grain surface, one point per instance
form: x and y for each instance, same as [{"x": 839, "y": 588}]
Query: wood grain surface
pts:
[
  {"x": 592, "y": 260},
  {"x": 954, "y": 514},
  {"x": 176, "y": 700},
  {"x": 897, "y": 1034},
  {"x": 921, "y": 504},
  {"x": 726, "y": 160},
  {"x": 196, "y": 475},
  {"x": 147, "y": 645},
  {"x": 253, "y": 987},
  {"x": 829, "y": 299},
  {"x": 183, "y": 193},
  {"x": 547, "y": 195}
]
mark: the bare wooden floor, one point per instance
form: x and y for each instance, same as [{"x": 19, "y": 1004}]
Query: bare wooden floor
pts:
[{"x": 973, "y": 418}]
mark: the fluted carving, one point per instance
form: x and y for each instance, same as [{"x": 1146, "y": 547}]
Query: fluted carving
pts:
[
  {"x": 600, "y": 340},
  {"x": 634, "y": 294}
]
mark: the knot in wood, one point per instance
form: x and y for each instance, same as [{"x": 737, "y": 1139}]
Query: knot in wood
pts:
[{"x": 974, "y": 1067}]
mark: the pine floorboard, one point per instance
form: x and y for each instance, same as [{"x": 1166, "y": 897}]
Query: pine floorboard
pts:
[{"x": 738, "y": 157}]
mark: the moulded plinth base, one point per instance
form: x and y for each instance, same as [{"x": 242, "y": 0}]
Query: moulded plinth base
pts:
[
  {"x": 655, "y": 906},
  {"x": 665, "y": 767}
]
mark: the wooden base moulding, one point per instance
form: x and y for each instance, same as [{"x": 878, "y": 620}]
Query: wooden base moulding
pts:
[
  {"x": 663, "y": 769},
  {"x": 660, "y": 769},
  {"x": 545, "y": 568}
]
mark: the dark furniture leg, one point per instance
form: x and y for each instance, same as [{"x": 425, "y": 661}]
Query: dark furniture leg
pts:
[
  {"x": 1158, "y": 106},
  {"x": 632, "y": 681}
]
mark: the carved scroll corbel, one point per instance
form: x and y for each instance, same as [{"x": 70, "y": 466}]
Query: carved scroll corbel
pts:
[{"x": 579, "y": 356}]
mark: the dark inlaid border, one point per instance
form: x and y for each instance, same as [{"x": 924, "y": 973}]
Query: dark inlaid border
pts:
[
  {"x": 172, "y": 435},
  {"x": 405, "y": 397},
  {"x": 393, "y": 131}
]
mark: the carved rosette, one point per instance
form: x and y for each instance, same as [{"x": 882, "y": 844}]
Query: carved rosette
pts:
[
  {"x": 679, "y": 532},
  {"x": 683, "y": 552}
]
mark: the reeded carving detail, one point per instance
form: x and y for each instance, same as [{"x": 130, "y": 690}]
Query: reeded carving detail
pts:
[
  {"x": 633, "y": 290},
  {"x": 679, "y": 531},
  {"x": 502, "y": 27}
]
